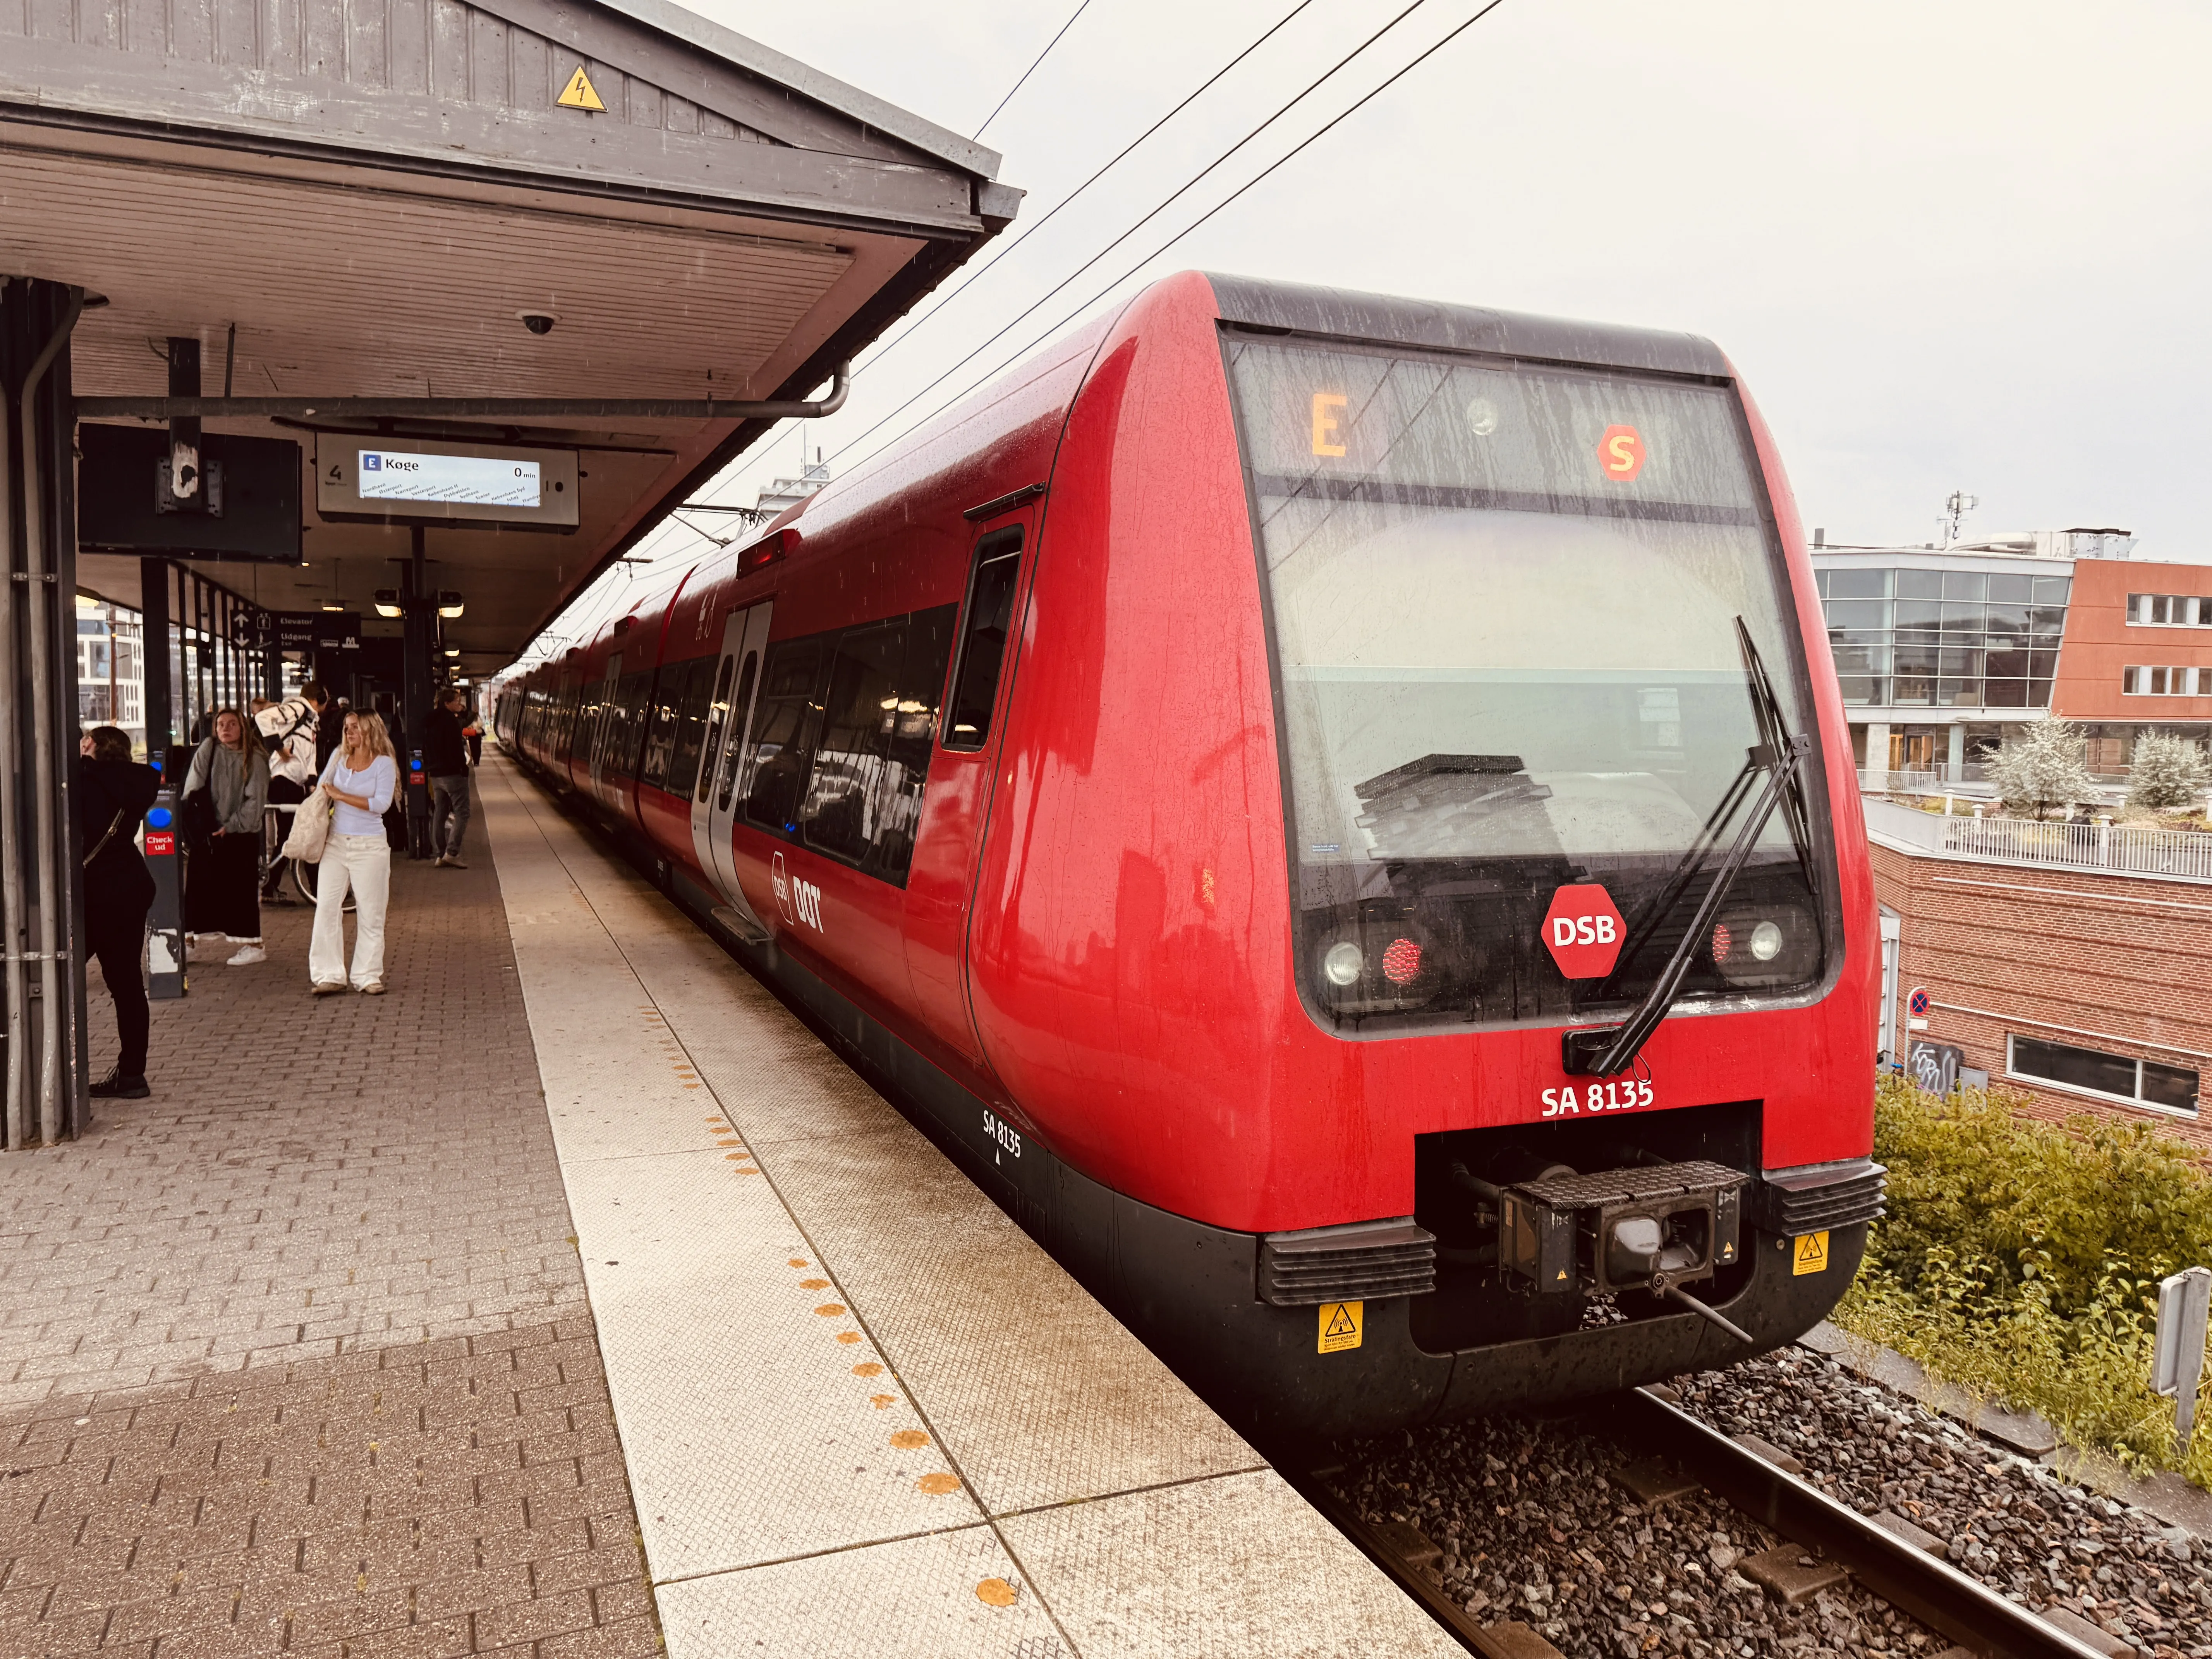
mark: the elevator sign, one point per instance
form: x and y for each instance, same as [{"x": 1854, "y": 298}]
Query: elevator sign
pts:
[
  {"x": 393, "y": 475},
  {"x": 1583, "y": 930}
]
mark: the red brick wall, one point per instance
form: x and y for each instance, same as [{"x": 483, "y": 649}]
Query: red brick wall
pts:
[
  {"x": 2100, "y": 641},
  {"x": 2125, "y": 958}
]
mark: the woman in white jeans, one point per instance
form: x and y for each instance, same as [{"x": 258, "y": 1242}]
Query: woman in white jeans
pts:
[{"x": 360, "y": 780}]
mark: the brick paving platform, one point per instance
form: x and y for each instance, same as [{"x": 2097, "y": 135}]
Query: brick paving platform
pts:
[{"x": 295, "y": 1355}]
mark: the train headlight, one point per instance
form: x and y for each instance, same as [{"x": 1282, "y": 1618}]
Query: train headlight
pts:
[
  {"x": 1765, "y": 945},
  {"x": 1342, "y": 961}
]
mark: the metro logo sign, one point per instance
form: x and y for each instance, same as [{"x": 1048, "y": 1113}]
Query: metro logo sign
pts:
[
  {"x": 1584, "y": 931},
  {"x": 1621, "y": 453}
]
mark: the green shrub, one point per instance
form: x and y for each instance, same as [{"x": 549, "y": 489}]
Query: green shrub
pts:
[{"x": 2020, "y": 1259}]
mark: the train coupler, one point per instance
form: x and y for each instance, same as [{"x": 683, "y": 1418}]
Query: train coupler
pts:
[{"x": 1653, "y": 1228}]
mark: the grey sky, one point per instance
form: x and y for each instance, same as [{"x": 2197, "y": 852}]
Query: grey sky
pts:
[{"x": 1956, "y": 245}]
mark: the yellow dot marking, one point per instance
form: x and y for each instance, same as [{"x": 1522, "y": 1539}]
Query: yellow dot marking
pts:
[
  {"x": 937, "y": 1485},
  {"x": 867, "y": 1368},
  {"x": 830, "y": 1310},
  {"x": 996, "y": 1593},
  {"x": 813, "y": 1284},
  {"x": 694, "y": 1085},
  {"x": 848, "y": 1336},
  {"x": 734, "y": 1157},
  {"x": 880, "y": 1400},
  {"x": 797, "y": 1261},
  {"x": 909, "y": 1439},
  {"x": 745, "y": 1169}
]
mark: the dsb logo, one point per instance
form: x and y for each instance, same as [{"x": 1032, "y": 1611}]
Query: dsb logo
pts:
[
  {"x": 1584, "y": 931},
  {"x": 799, "y": 901}
]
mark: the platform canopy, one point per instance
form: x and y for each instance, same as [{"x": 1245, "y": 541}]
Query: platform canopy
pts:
[{"x": 363, "y": 198}]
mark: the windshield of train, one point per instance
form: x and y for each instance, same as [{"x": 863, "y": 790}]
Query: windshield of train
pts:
[{"x": 1505, "y": 603}]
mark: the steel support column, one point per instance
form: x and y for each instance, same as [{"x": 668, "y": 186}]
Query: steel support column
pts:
[
  {"x": 154, "y": 654},
  {"x": 415, "y": 691},
  {"x": 40, "y": 882}
]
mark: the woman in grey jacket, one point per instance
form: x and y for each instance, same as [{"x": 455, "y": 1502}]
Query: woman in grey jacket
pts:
[{"x": 222, "y": 884}]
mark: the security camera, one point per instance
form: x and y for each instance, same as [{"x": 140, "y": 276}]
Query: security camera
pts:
[{"x": 538, "y": 322}]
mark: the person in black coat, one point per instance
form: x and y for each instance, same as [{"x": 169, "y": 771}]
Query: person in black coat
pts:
[{"x": 112, "y": 795}]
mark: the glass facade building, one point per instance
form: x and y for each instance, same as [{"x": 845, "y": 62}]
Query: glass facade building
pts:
[{"x": 1944, "y": 638}]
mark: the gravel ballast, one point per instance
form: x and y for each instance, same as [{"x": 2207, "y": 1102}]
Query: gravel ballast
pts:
[
  {"x": 1532, "y": 1527},
  {"x": 2009, "y": 1523}
]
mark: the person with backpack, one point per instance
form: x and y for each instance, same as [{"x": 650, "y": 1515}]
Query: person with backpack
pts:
[
  {"x": 288, "y": 731},
  {"x": 446, "y": 759},
  {"x": 113, "y": 793},
  {"x": 222, "y": 871}
]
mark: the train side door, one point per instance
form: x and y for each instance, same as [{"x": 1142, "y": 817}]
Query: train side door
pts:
[
  {"x": 606, "y": 720},
  {"x": 941, "y": 879},
  {"x": 745, "y": 694},
  {"x": 729, "y": 716}
]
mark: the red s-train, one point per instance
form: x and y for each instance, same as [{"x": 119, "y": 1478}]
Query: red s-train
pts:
[{"x": 1251, "y": 784}]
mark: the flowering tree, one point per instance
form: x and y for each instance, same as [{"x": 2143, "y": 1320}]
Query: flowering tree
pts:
[
  {"x": 2042, "y": 768},
  {"x": 2168, "y": 771}
]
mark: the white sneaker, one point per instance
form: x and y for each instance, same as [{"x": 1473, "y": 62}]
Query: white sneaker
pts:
[{"x": 248, "y": 956}]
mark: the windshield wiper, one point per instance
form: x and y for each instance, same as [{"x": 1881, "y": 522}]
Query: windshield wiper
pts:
[{"x": 1610, "y": 1050}]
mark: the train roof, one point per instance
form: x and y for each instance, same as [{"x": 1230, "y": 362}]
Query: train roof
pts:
[{"x": 1434, "y": 324}]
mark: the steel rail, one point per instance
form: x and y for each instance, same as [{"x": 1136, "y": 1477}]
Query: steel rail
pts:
[
  {"x": 1312, "y": 1485},
  {"x": 1931, "y": 1590}
]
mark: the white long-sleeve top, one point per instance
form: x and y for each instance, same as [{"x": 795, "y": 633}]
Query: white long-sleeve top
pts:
[{"x": 376, "y": 781}]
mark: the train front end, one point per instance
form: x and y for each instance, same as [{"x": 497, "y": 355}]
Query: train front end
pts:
[
  {"x": 1569, "y": 1083},
  {"x": 1565, "y": 788}
]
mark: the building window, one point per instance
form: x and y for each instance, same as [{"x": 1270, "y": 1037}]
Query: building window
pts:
[
  {"x": 1941, "y": 638},
  {"x": 2109, "y": 1077},
  {"x": 2169, "y": 610},
  {"x": 2165, "y": 682}
]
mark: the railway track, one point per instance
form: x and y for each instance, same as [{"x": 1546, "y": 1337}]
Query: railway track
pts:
[{"x": 1647, "y": 1426}]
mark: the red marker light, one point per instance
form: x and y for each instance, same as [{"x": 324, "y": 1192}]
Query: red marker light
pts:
[
  {"x": 1723, "y": 942},
  {"x": 1401, "y": 961}
]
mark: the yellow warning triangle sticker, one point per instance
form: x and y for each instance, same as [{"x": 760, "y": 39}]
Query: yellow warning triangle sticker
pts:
[
  {"x": 579, "y": 93},
  {"x": 1811, "y": 1255},
  {"x": 1340, "y": 1322}
]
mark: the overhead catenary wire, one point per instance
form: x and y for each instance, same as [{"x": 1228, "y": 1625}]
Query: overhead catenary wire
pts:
[
  {"x": 1045, "y": 218},
  {"x": 1161, "y": 207},
  {"x": 1054, "y": 328},
  {"x": 1084, "y": 6}
]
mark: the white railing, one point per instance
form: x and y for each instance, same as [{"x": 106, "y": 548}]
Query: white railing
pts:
[
  {"x": 2136, "y": 848},
  {"x": 1923, "y": 781}
]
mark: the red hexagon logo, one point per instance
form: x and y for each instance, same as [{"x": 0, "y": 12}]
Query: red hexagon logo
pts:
[
  {"x": 1620, "y": 454},
  {"x": 1584, "y": 931}
]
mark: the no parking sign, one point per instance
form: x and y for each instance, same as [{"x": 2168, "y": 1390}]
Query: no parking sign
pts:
[{"x": 1916, "y": 1003}]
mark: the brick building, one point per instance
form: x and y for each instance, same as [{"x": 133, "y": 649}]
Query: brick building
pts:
[{"x": 2084, "y": 987}]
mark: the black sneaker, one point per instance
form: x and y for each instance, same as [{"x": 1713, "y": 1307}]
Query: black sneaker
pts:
[{"x": 116, "y": 1086}]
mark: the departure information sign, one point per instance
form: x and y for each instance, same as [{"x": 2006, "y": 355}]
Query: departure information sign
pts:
[
  {"x": 388, "y": 474},
  {"x": 444, "y": 481}
]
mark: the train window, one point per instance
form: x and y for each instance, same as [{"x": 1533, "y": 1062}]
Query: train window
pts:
[
  {"x": 633, "y": 718},
  {"x": 775, "y": 760},
  {"x": 689, "y": 700},
  {"x": 1509, "y": 605},
  {"x": 842, "y": 803},
  {"x": 983, "y": 645},
  {"x": 717, "y": 716},
  {"x": 733, "y": 756},
  {"x": 663, "y": 720}
]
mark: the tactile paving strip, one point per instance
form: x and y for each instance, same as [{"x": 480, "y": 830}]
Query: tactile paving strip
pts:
[{"x": 1057, "y": 1419}]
